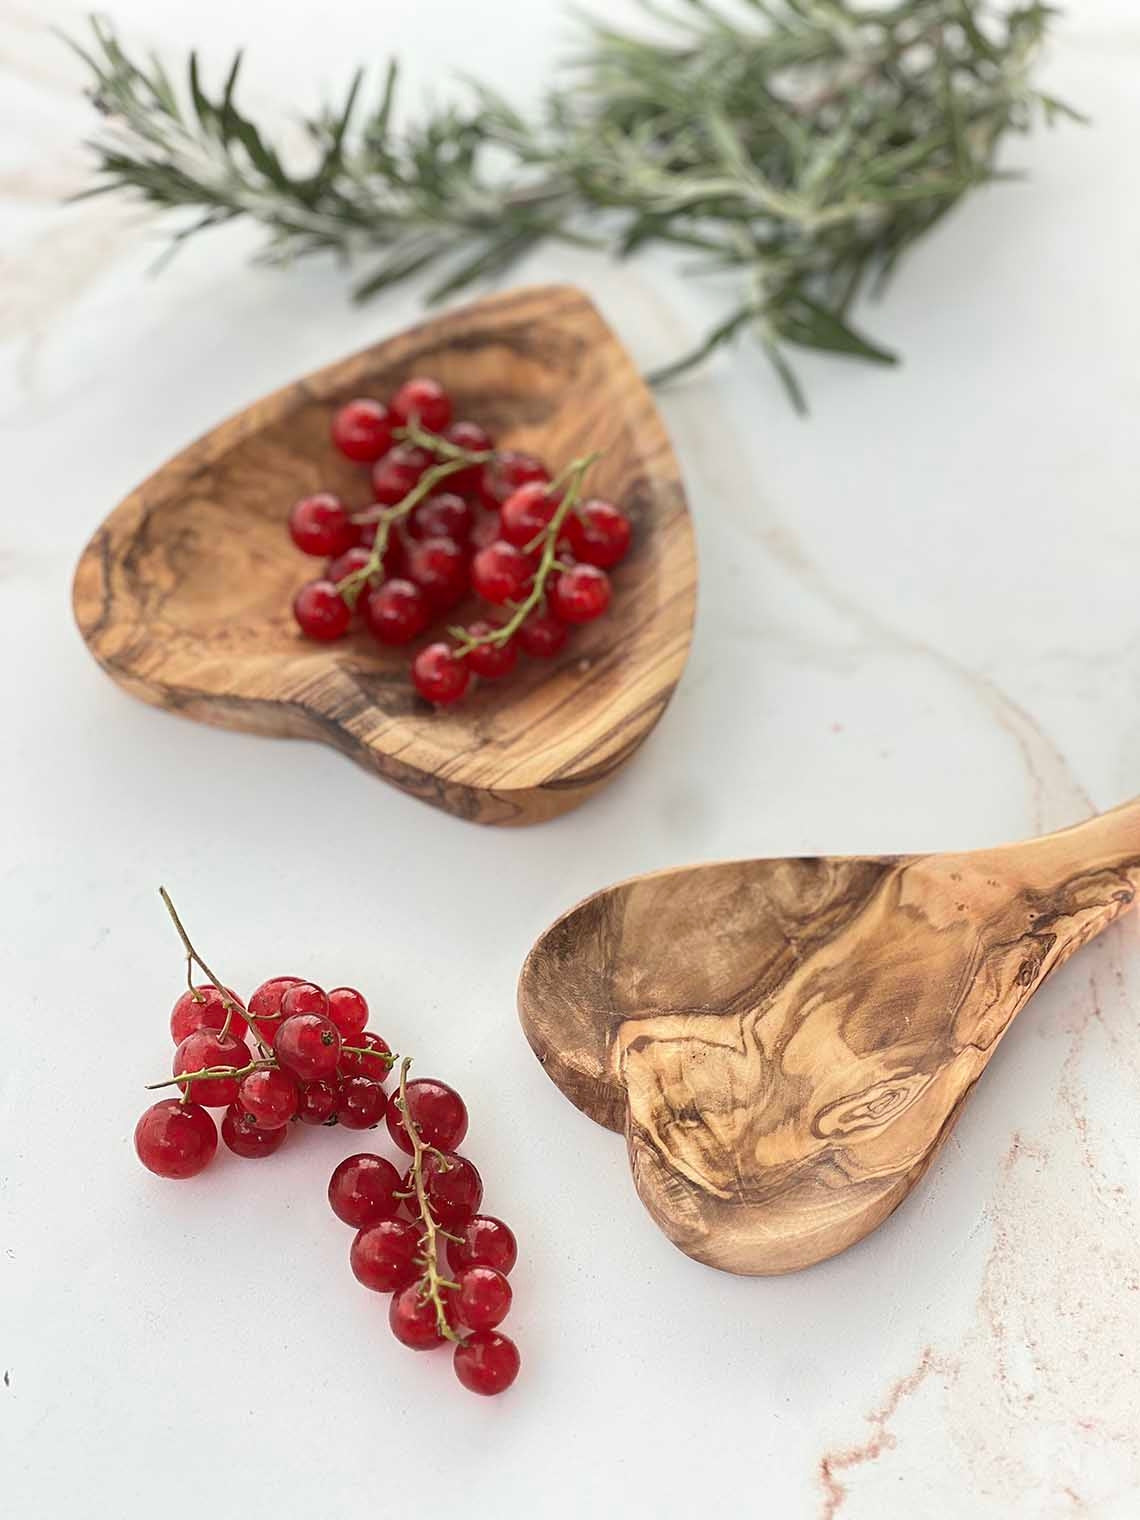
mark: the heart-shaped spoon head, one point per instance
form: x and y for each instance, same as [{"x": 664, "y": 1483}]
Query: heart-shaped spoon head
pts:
[
  {"x": 184, "y": 594},
  {"x": 786, "y": 1043}
]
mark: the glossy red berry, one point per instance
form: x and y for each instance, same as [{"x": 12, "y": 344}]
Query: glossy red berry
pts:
[
  {"x": 308, "y": 1045},
  {"x": 445, "y": 515},
  {"x": 245, "y": 1138},
  {"x": 397, "y": 472},
  {"x": 526, "y": 512},
  {"x": 484, "y": 1242},
  {"x": 481, "y": 1299},
  {"x": 348, "y": 1011},
  {"x": 383, "y": 1257},
  {"x": 501, "y": 573},
  {"x": 320, "y": 525},
  {"x": 437, "y": 1111},
  {"x": 453, "y": 1186},
  {"x": 363, "y": 1189},
  {"x": 426, "y": 401},
  {"x": 509, "y": 470},
  {"x": 317, "y": 1101},
  {"x": 413, "y": 1320},
  {"x": 203, "y": 1008},
  {"x": 362, "y": 1103},
  {"x": 375, "y": 1065},
  {"x": 397, "y": 612},
  {"x": 491, "y": 661},
  {"x": 598, "y": 534},
  {"x": 486, "y": 1362},
  {"x": 581, "y": 594},
  {"x": 175, "y": 1139},
  {"x": 362, "y": 430},
  {"x": 543, "y": 635},
  {"x": 476, "y": 440},
  {"x": 321, "y": 612},
  {"x": 304, "y": 997},
  {"x": 265, "y": 1005},
  {"x": 346, "y": 564},
  {"x": 439, "y": 676},
  {"x": 209, "y": 1048},
  {"x": 269, "y": 1097},
  {"x": 438, "y": 566}
]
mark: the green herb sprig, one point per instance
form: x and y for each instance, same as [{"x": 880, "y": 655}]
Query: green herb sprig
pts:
[{"x": 804, "y": 145}]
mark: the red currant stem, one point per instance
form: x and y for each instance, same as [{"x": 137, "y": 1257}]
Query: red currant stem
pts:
[
  {"x": 213, "y": 1072},
  {"x": 385, "y": 519},
  {"x": 229, "y": 1002},
  {"x": 574, "y": 474},
  {"x": 390, "y": 1058},
  {"x": 433, "y": 443},
  {"x": 433, "y": 1281}
]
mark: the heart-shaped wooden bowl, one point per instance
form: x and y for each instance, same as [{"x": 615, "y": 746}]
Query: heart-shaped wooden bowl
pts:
[
  {"x": 787, "y": 1043},
  {"x": 184, "y": 594}
]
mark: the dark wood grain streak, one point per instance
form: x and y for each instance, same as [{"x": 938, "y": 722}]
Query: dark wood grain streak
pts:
[
  {"x": 787, "y": 1043},
  {"x": 183, "y": 595}
]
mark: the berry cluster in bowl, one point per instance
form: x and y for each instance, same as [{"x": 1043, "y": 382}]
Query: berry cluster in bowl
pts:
[{"x": 452, "y": 516}]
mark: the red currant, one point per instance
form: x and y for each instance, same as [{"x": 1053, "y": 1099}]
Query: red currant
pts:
[
  {"x": 424, "y": 399},
  {"x": 203, "y": 1008},
  {"x": 491, "y": 660},
  {"x": 599, "y": 534},
  {"x": 437, "y": 1111},
  {"x": 304, "y": 997},
  {"x": 383, "y": 1257},
  {"x": 526, "y": 512},
  {"x": 245, "y": 1138},
  {"x": 438, "y": 675},
  {"x": 475, "y": 440},
  {"x": 439, "y": 567},
  {"x": 346, "y": 564},
  {"x": 320, "y": 525},
  {"x": 397, "y": 472},
  {"x": 486, "y": 530},
  {"x": 362, "y": 1191},
  {"x": 507, "y": 471},
  {"x": 501, "y": 573},
  {"x": 453, "y": 1186},
  {"x": 348, "y": 1011},
  {"x": 362, "y": 430},
  {"x": 265, "y": 1005},
  {"x": 542, "y": 634},
  {"x": 442, "y": 516},
  {"x": 362, "y": 1103},
  {"x": 209, "y": 1048},
  {"x": 486, "y": 1242},
  {"x": 486, "y": 1362},
  {"x": 482, "y": 1298},
  {"x": 308, "y": 1045},
  {"x": 376, "y": 1065},
  {"x": 175, "y": 1139},
  {"x": 317, "y": 1101},
  {"x": 269, "y": 1097},
  {"x": 321, "y": 612},
  {"x": 413, "y": 1320},
  {"x": 581, "y": 594},
  {"x": 397, "y": 612}
]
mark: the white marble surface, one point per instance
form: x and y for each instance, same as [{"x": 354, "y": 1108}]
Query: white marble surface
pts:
[{"x": 918, "y": 630}]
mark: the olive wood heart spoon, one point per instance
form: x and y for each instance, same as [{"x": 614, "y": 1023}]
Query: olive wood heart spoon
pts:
[
  {"x": 183, "y": 595},
  {"x": 787, "y": 1043}
]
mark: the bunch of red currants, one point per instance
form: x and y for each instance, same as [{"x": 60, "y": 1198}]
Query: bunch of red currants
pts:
[
  {"x": 452, "y": 515},
  {"x": 313, "y": 1061}
]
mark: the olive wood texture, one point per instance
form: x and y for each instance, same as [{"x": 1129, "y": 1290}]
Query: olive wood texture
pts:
[
  {"x": 787, "y": 1043},
  {"x": 184, "y": 594}
]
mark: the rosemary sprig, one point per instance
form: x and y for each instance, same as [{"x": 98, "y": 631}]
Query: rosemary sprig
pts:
[{"x": 803, "y": 144}]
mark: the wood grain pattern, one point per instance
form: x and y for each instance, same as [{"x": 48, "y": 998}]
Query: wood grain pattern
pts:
[
  {"x": 184, "y": 594},
  {"x": 787, "y": 1043}
]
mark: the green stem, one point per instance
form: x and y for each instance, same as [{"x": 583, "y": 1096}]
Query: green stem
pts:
[
  {"x": 433, "y": 1280},
  {"x": 229, "y": 1002},
  {"x": 212, "y": 1072}
]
